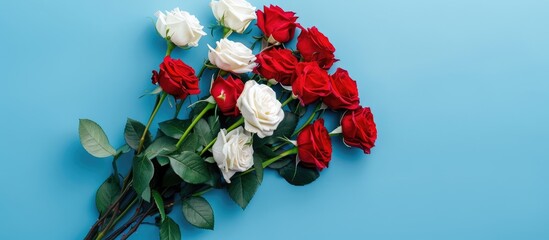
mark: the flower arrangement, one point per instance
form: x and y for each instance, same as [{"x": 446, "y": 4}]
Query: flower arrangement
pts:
[{"x": 263, "y": 110}]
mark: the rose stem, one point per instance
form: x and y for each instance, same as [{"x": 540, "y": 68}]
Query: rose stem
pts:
[
  {"x": 122, "y": 228},
  {"x": 264, "y": 165},
  {"x": 97, "y": 224},
  {"x": 272, "y": 160},
  {"x": 232, "y": 127},
  {"x": 227, "y": 32},
  {"x": 237, "y": 124},
  {"x": 290, "y": 98},
  {"x": 113, "y": 223},
  {"x": 279, "y": 146},
  {"x": 127, "y": 181},
  {"x": 178, "y": 108},
  {"x": 193, "y": 123},
  {"x": 115, "y": 173},
  {"x": 199, "y": 75},
  {"x": 171, "y": 47},
  {"x": 309, "y": 120},
  {"x": 202, "y": 192},
  {"x": 151, "y": 118},
  {"x": 138, "y": 223}
]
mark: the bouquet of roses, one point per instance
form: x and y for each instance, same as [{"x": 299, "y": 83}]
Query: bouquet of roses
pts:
[{"x": 263, "y": 111}]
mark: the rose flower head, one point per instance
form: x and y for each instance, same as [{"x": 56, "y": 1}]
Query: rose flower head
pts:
[
  {"x": 176, "y": 78},
  {"x": 277, "y": 64},
  {"x": 233, "y": 14},
  {"x": 277, "y": 24},
  {"x": 181, "y": 27},
  {"x": 226, "y": 92},
  {"x": 359, "y": 129},
  {"x": 315, "y": 47},
  {"x": 311, "y": 84},
  {"x": 344, "y": 93},
  {"x": 314, "y": 146}
]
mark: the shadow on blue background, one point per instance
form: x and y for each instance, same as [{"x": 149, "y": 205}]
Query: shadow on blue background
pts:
[{"x": 459, "y": 90}]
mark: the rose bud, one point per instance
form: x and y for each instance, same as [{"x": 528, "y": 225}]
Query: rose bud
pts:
[
  {"x": 233, "y": 14},
  {"x": 315, "y": 47},
  {"x": 277, "y": 64},
  {"x": 314, "y": 148},
  {"x": 226, "y": 92},
  {"x": 176, "y": 78},
  {"x": 311, "y": 84},
  {"x": 344, "y": 93},
  {"x": 183, "y": 28},
  {"x": 359, "y": 129},
  {"x": 277, "y": 25},
  {"x": 232, "y": 56}
]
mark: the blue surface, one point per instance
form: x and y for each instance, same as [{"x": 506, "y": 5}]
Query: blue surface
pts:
[{"x": 459, "y": 90}]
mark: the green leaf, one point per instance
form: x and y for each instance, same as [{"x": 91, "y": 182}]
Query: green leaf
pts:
[
  {"x": 215, "y": 179},
  {"x": 190, "y": 144},
  {"x": 143, "y": 172},
  {"x": 124, "y": 149},
  {"x": 198, "y": 212},
  {"x": 170, "y": 179},
  {"x": 214, "y": 124},
  {"x": 263, "y": 150},
  {"x": 106, "y": 194},
  {"x": 244, "y": 77},
  {"x": 261, "y": 154},
  {"x": 160, "y": 146},
  {"x": 159, "y": 133},
  {"x": 198, "y": 107},
  {"x": 296, "y": 108},
  {"x": 169, "y": 230},
  {"x": 159, "y": 204},
  {"x": 209, "y": 160},
  {"x": 203, "y": 131},
  {"x": 298, "y": 175},
  {"x": 94, "y": 139},
  {"x": 258, "y": 165},
  {"x": 175, "y": 127},
  {"x": 243, "y": 188},
  {"x": 287, "y": 126},
  {"x": 190, "y": 167},
  {"x": 156, "y": 91},
  {"x": 133, "y": 132},
  {"x": 188, "y": 190},
  {"x": 162, "y": 160},
  {"x": 282, "y": 162}
]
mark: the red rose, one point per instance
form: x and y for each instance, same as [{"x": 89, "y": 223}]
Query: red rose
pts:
[
  {"x": 277, "y": 64},
  {"x": 359, "y": 129},
  {"x": 344, "y": 93},
  {"x": 312, "y": 83},
  {"x": 315, "y": 47},
  {"x": 226, "y": 92},
  {"x": 314, "y": 148},
  {"x": 176, "y": 78},
  {"x": 277, "y": 25}
]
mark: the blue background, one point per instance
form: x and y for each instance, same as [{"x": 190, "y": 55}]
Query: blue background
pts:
[{"x": 459, "y": 90}]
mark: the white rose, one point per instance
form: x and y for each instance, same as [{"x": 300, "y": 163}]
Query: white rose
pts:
[
  {"x": 234, "y": 14},
  {"x": 232, "y": 56},
  {"x": 261, "y": 110},
  {"x": 183, "y": 28},
  {"x": 233, "y": 152}
]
